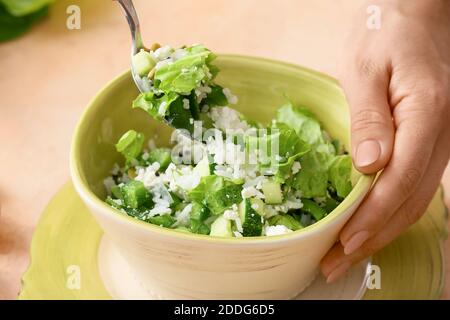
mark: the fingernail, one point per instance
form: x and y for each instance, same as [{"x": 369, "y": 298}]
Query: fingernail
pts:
[
  {"x": 367, "y": 153},
  {"x": 356, "y": 242},
  {"x": 338, "y": 271}
]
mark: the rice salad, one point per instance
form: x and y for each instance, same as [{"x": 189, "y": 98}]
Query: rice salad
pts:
[{"x": 225, "y": 175}]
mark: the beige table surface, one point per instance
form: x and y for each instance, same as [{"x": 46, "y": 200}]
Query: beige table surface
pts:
[{"x": 48, "y": 77}]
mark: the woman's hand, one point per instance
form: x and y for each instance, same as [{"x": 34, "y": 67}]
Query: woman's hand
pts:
[{"x": 397, "y": 83}]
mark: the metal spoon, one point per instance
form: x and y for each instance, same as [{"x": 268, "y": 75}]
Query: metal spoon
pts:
[{"x": 137, "y": 44}]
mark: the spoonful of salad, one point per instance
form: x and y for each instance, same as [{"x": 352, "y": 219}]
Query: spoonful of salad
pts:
[{"x": 177, "y": 85}]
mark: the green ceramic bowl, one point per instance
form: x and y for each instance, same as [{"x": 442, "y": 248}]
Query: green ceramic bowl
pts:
[{"x": 180, "y": 265}]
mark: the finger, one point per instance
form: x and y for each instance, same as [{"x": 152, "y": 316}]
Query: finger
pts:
[
  {"x": 366, "y": 85},
  {"x": 336, "y": 262},
  {"x": 411, "y": 211},
  {"x": 414, "y": 142},
  {"x": 334, "y": 258}
]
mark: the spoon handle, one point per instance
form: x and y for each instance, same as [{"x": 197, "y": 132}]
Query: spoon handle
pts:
[{"x": 133, "y": 22}]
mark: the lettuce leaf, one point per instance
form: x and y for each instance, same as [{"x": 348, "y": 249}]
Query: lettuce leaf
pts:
[
  {"x": 216, "y": 97},
  {"x": 179, "y": 117},
  {"x": 290, "y": 149},
  {"x": 306, "y": 126},
  {"x": 185, "y": 74},
  {"x": 312, "y": 179},
  {"x": 207, "y": 184},
  {"x": 155, "y": 106},
  {"x": 302, "y": 121},
  {"x": 216, "y": 193},
  {"x": 194, "y": 107},
  {"x": 12, "y": 26},
  {"x": 213, "y": 70},
  {"x": 168, "y": 107},
  {"x": 339, "y": 174},
  {"x": 21, "y": 8},
  {"x": 290, "y": 144}
]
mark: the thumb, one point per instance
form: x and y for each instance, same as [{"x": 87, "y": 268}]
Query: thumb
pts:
[{"x": 372, "y": 129}]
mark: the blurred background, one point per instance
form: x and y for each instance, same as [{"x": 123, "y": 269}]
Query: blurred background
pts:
[{"x": 50, "y": 68}]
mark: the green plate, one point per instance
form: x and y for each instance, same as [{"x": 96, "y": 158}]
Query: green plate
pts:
[{"x": 412, "y": 267}]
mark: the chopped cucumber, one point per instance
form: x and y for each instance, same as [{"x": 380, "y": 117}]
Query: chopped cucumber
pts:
[
  {"x": 258, "y": 206},
  {"x": 203, "y": 229},
  {"x": 116, "y": 192},
  {"x": 250, "y": 219},
  {"x": 272, "y": 192},
  {"x": 238, "y": 181},
  {"x": 221, "y": 227},
  {"x": 142, "y": 63},
  {"x": 330, "y": 204},
  {"x": 199, "y": 212},
  {"x": 165, "y": 220},
  {"x": 180, "y": 206},
  {"x": 286, "y": 220},
  {"x": 198, "y": 215},
  {"x": 130, "y": 145},
  {"x": 176, "y": 200},
  {"x": 203, "y": 169},
  {"x": 223, "y": 198},
  {"x": 161, "y": 155},
  {"x": 135, "y": 195},
  {"x": 313, "y": 208}
]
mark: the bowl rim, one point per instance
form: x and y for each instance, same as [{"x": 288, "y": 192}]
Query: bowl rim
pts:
[{"x": 359, "y": 190}]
